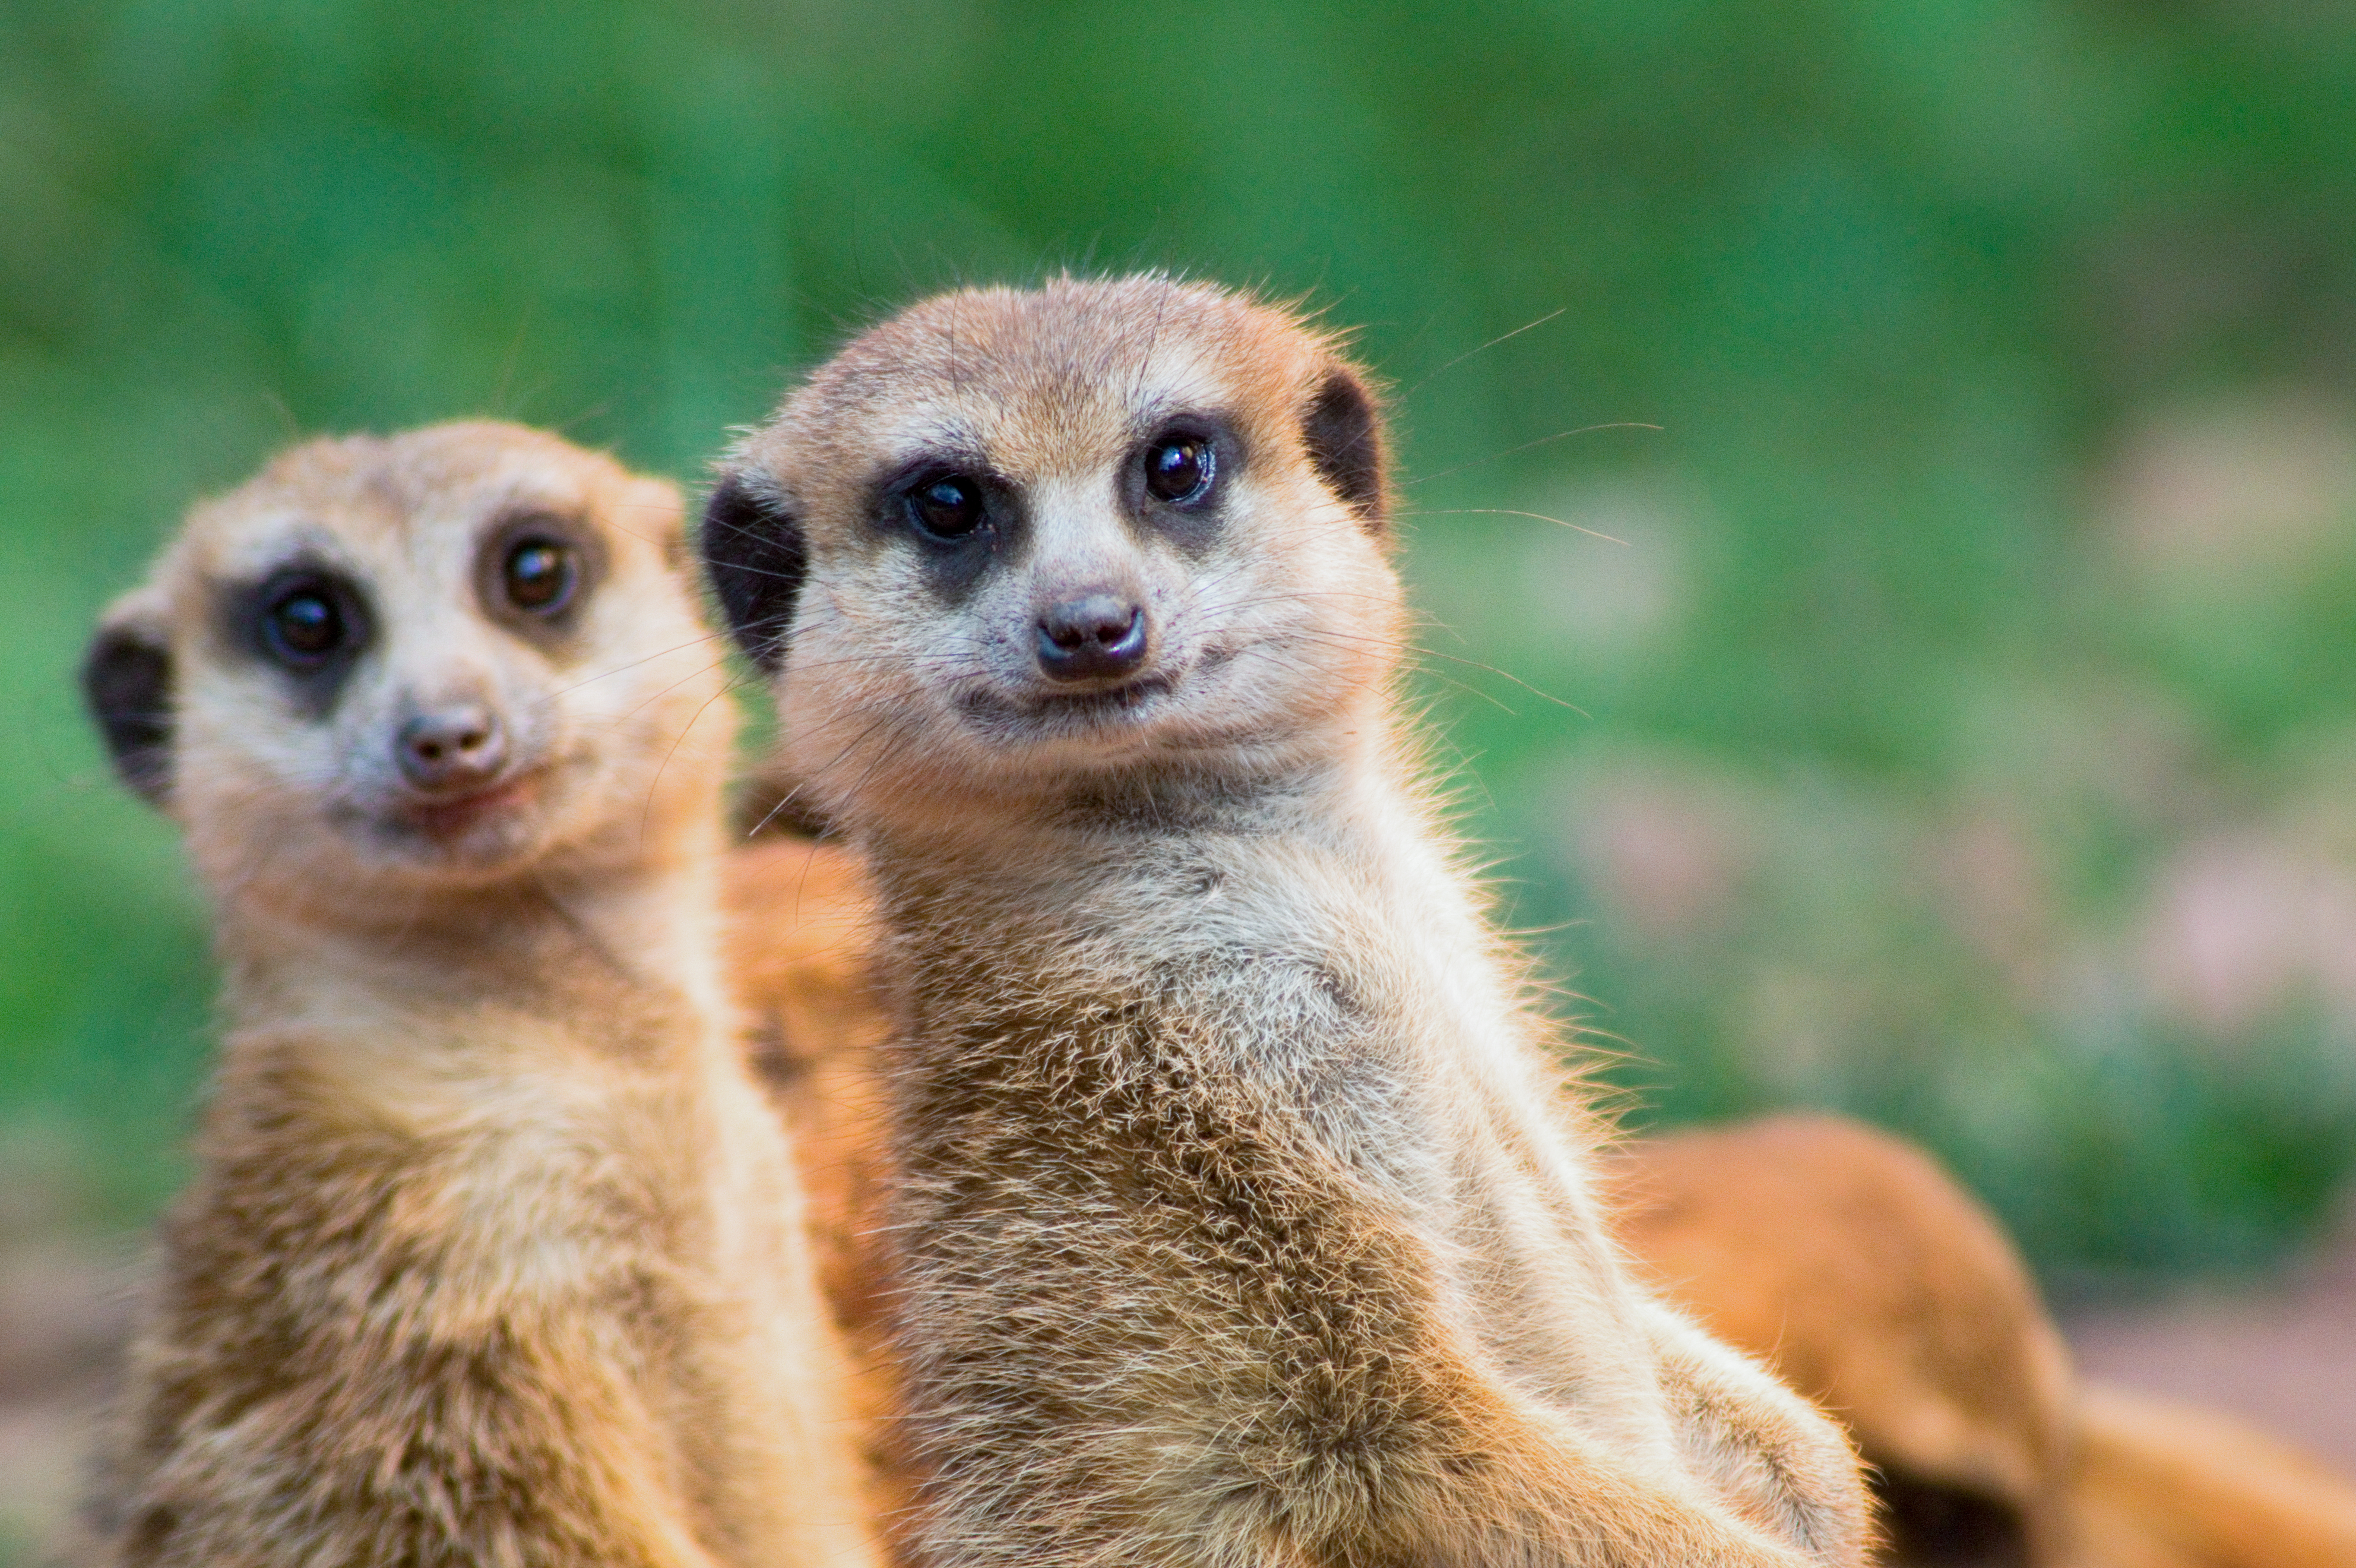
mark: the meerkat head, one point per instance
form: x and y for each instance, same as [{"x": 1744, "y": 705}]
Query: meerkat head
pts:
[
  {"x": 1010, "y": 541},
  {"x": 446, "y": 654}
]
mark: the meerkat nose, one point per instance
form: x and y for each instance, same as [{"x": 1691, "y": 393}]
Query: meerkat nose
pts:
[
  {"x": 453, "y": 749},
  {"x": 1087, "y": 639}
]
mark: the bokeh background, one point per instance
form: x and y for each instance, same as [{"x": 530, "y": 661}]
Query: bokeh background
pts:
[{"x": 1881, "y": 476}]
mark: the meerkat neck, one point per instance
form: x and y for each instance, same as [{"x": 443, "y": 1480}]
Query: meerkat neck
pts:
[
  {"x": 643, "y": 923},
  {"x": 1356, "y": 774},
  {"x": 1362, "y": 815}
]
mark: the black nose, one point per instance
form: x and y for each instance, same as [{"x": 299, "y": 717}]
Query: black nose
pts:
[
  {"x": 1087, "y": 639},
  {"x": 455, "y": 748}
]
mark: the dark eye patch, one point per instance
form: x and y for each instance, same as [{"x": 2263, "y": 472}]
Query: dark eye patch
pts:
[
  {"x": 956, "y": 510},
  {"x": 1181, "y": 469},
  {"x": 534, "y": 570},
  {"x": 308, "y": 621},
  {"x": 303, "y": 626},
  {"x": 949, "y": 508},
  {"x": 539, "y": 575},
  {"x": 1174, "y": 477}
]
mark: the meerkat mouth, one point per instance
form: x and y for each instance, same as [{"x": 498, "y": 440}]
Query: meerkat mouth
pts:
[
  {"x": 448, "y": 819},
  {"x": 1062, "y": 712}
]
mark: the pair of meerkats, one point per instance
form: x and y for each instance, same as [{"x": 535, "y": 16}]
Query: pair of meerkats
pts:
[{"x": 1238, "y": 1212}]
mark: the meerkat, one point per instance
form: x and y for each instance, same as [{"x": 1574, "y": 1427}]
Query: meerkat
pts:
[
  {"x": 1242, "y": 1213},
  {"x": 492, "y": 1255}
]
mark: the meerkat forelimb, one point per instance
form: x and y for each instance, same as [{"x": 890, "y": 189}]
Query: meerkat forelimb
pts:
[
  {"x": 492, "y": 1254},
  {"x": 1244, "y": 1216},
  {"x": 1872, "y": 1281}
]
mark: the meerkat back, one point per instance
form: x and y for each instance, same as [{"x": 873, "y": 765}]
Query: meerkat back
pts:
[
  {"x": 1242, "y": 1214},
  {"x": 493, "y": 1253}
]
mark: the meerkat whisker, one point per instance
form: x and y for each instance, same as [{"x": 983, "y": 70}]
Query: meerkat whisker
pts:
[
  {"x": 1469, "y": 353},
  {"x": 1535, "y": 517},
  {"x": 790, "y": 795},
  {"x": 1528, "y": 445}
]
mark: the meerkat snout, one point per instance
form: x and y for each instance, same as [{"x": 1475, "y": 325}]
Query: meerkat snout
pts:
[
  {"x": 1102, "y": 635},
  {"x": 451, "y": 749},
  {"x": 1106, "y": 634}
]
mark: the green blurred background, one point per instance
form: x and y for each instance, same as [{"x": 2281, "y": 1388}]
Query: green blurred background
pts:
[{"x": 1960, "y": 733}]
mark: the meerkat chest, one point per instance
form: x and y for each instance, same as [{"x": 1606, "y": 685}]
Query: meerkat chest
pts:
[
  {"x": 1312, "y": 985},
  {"x": 529, "y": 1168},
  {"x": 1266, "y": 1003}
]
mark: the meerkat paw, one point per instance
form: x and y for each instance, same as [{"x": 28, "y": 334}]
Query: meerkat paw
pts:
[{"x": 1778, "y": 1462}]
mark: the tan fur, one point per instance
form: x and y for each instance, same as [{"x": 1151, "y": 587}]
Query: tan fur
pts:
[
  {"x": 1859, "y": 1269},
  {"x": 1862, "y": 1274},
  {"x": 800, "y": 943},
  {"x": 1243, "y": 1216},
  {"x": 2159, "y": 1484},
  {"x": 1843, "y": 1256},
  {"x": 492, "y": 1255}
]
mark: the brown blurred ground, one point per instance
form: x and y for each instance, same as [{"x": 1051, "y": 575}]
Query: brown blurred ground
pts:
[{"x": 2282, "y": 1355}]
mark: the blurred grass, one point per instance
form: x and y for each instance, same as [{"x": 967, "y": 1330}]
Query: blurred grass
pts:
[{"x": 1962, "y": 732}]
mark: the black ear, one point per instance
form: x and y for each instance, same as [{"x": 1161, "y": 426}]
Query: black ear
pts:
[
  {"x": 755, "y": 556},
  {"x": 1344, "y": 434},
  {"x": 126, "y": 679}
]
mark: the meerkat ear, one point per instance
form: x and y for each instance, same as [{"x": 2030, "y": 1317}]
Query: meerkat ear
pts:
[
  {"x": 755, "y": 556},
  {"x": 126, "y": 679},
  {"x": 1344, "y": 435}
]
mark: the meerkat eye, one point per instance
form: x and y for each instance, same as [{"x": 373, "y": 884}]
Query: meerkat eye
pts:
[
  {"x": 539, "y": 575},
  {"x": 303, "y": 626},
  {"x": 1179, "y": 469},
  {"x": 949, "y": 507}
]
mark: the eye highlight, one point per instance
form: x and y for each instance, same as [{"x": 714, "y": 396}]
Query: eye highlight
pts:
[
  {"x": 303, "y": 626},
  {"x": 948, "y": 507},
  {"x": 540, "y": 576},
  {"x": 1179, "y": 469}
]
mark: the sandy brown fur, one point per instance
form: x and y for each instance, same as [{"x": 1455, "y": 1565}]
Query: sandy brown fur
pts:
[
  {"x": 1858, "y": 1270},
  {"x": 1243, "y": 1217},
  {"x": 799, "y": 942},
  {"x": 1842, "y": 1257},
  {"x": 491, "y": 1257},
  {"x": 2160, "y": 1485}
]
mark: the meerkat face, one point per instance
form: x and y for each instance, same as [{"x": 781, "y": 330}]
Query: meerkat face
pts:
[
  {"x": 447, "y": 653},
  {"x": 1009, "y": 539}
]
